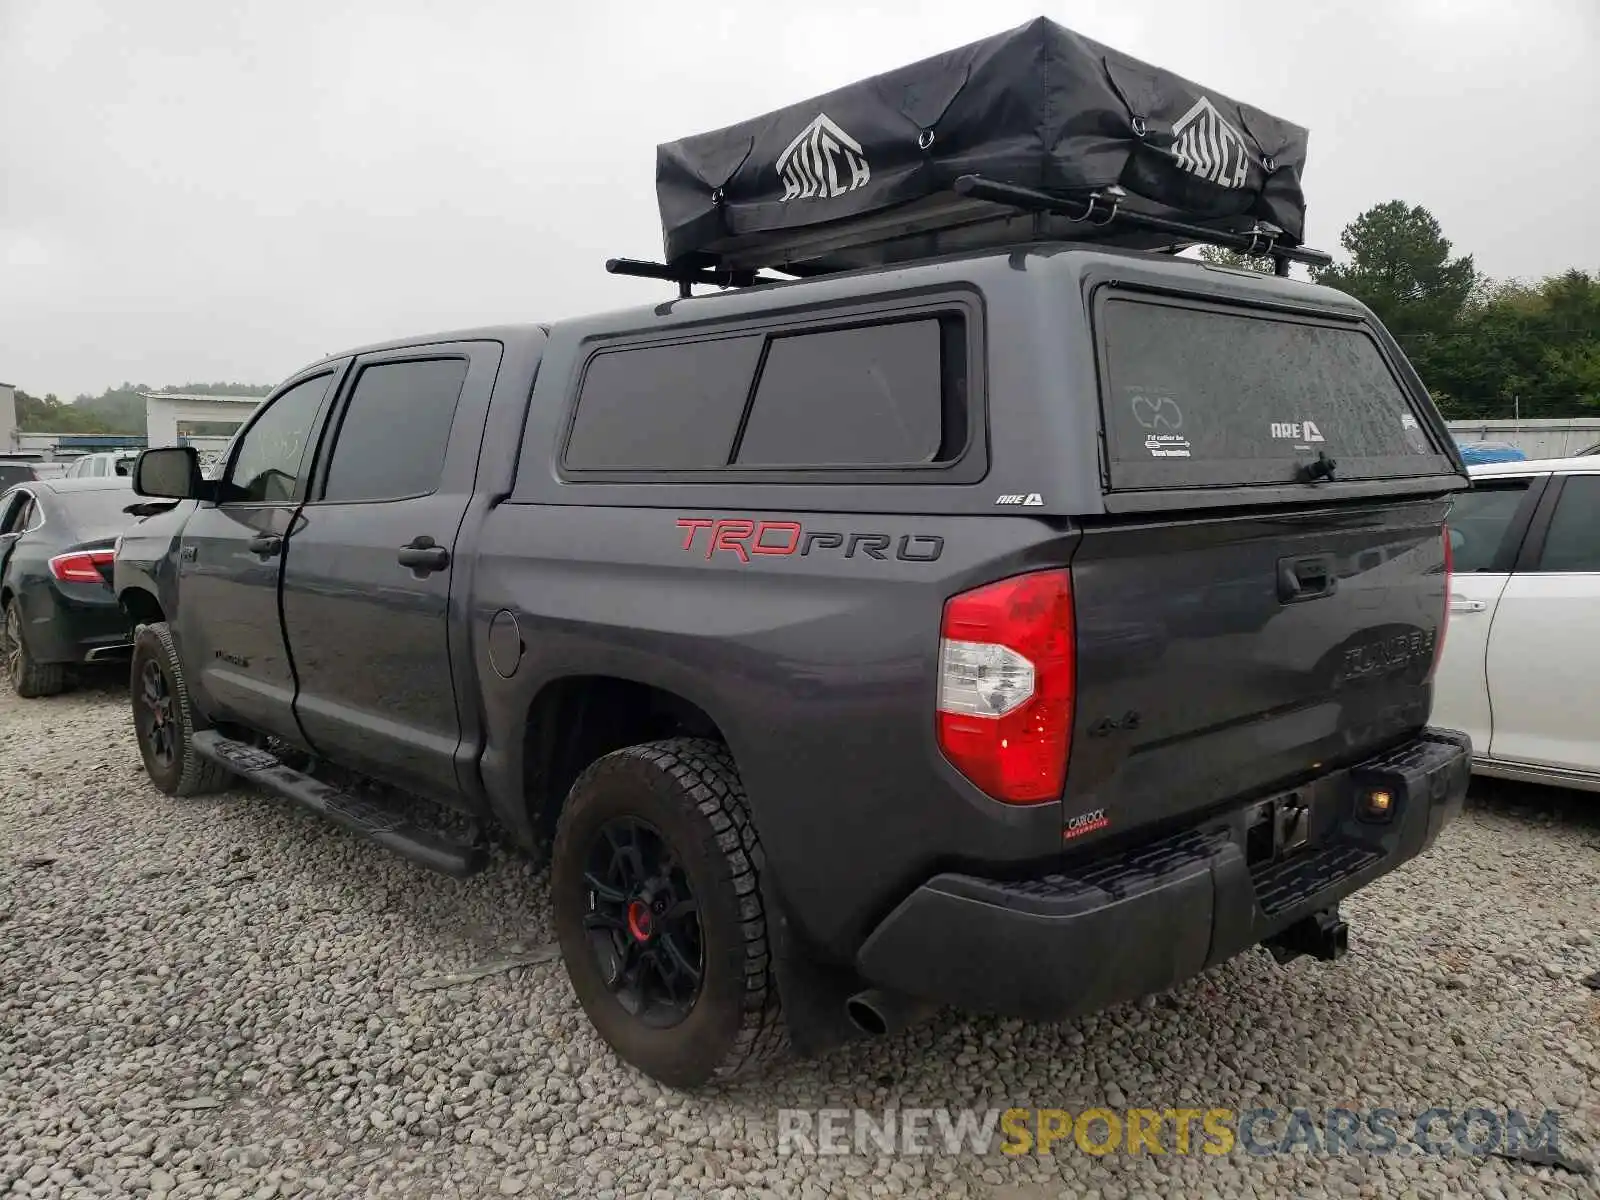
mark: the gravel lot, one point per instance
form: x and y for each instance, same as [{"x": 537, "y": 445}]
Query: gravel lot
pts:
[{"x": 225, "y": 997}]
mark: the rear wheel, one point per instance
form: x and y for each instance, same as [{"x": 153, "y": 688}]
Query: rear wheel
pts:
[
  {"x": 656, "y": 889},
  {"x": 164, "y": 720},
  {"x": 28, "y": 678}
]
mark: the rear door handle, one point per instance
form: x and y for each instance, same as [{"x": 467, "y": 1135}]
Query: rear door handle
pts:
[
  {"x": 265, "y": 544},
  {"x": 1306, "y": 578},
  {"x": 423, "y": 557},
  {"x": 1460, "y": 604}
]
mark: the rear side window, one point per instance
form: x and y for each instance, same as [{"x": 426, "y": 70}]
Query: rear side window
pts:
[
  {"x": 881, "y": 394},
  {"x": 671, "y": 408},
  {"x": 395, "y": 430},
  {"x": 1201, "y": 396},
  {"x": 1479, "y": 521},
  {"x": 848, "y": 396}
]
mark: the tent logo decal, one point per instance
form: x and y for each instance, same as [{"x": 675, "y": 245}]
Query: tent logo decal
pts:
[
  {"x": 1207, "y": 146},
  {"x": 823, "y": 160}
]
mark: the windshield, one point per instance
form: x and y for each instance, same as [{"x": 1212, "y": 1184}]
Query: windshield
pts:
[{"x": 1197, "y": 395}]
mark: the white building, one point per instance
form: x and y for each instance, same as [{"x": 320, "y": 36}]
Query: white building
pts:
[
  {"x": 8, "y": 418},
  {"x": 165, "y": 413}
]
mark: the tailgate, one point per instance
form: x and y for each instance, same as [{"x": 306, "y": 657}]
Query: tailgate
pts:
[
  {"x": 1274, "y": 614},
  {"x": 1222, "y": 658}
]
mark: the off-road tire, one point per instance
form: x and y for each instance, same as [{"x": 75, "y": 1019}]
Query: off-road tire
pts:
[
  {"x": 689, "y": 790},
  {"x": 28, "y": 678},
  {"x": 187, "y": 774}
]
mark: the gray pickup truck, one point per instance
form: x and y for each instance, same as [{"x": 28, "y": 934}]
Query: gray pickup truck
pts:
[{"x": 1021, "y": 630}]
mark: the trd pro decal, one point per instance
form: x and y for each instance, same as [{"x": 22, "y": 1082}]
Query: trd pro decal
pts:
[{"x": 746, "y": 539}]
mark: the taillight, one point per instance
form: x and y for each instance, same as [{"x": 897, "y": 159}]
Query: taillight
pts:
[
  {"x": 1444, "y": 619},
  {"x": 82, "y": 566},
  {"x": 1007, "y": 679}
]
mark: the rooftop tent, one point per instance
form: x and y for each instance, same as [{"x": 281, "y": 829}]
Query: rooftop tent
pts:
[{"x": 868, "y": 173}]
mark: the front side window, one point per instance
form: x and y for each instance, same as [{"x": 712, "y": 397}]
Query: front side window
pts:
[
  {"x": 1573, "y": 542},
  {"x": 270, "y": 457},
  {"x": 395, "y": 430}
]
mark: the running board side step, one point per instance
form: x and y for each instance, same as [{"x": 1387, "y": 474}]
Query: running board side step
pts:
[{"x": 389, "y": 829}]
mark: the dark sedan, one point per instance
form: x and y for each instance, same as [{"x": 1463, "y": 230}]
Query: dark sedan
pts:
[{"x": 57, "y": 609}]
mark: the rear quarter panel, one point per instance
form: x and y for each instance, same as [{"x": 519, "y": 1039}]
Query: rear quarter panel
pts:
[{"x": 819, "y": 668}]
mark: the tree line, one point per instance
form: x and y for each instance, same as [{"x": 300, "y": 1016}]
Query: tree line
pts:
[
  {"x": 115, "y": 410},
  {"x": 1485, "y": 348}
]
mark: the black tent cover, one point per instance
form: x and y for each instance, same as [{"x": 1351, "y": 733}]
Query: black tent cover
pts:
[{"x": 863, "y": 175}]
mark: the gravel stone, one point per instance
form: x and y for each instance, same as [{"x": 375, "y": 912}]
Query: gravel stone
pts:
[{"x": 216, "y": 998}]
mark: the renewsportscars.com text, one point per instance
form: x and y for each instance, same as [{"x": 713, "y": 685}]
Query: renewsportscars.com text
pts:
[{"x": 1439, "y": 1131}]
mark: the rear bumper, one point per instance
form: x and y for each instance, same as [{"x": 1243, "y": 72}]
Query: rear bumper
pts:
[
  {"x": 83, "y": 626},
  {"x": 1148, "y": 918}
]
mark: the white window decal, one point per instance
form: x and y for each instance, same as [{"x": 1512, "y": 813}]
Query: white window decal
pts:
[
  {"x": 823, "y": 160},
  {"x": 1299, "y": 431},
  {"x": 1208, "y": 146}
]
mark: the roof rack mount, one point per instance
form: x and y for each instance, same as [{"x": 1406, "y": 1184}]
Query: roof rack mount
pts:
[
  {"x": 1098, "y": 209},
  {"x": 684, "y": 276},
  {"x": 1105, "y": 208}
]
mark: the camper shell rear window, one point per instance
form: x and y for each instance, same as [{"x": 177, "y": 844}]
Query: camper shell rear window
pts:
[{"x": 1196, "y": 394}]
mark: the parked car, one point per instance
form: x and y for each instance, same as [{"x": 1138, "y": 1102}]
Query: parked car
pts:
[
  {"x": 1489, "y": 452},
  {"x": 1521, "y": 663},
  {"x": 103, "y": 464},
  {"x": 57, "y": 609}
]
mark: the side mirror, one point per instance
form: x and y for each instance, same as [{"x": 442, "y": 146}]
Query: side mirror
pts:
[{"x": 168, "y": 473}]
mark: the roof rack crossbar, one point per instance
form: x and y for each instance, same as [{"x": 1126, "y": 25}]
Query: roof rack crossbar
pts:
[
  {"x": 1105, "y": 208},
  {"x": 684, "y": 276}
]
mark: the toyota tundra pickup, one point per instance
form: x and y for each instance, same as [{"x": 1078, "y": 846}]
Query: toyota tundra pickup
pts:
[{"x": 1022, "y": 630}]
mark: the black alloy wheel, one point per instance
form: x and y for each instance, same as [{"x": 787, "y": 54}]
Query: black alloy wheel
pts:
[
  {"x": 165, "y": 718},
  {"x": 153, "y": 715},
  {"x": 11, "y": 645},
  {"x": 655, "y": 888},
  {"x": 643, "y": 922}
]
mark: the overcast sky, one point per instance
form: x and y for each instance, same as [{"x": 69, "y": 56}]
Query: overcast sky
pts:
[{"x": 194, "y": 190}]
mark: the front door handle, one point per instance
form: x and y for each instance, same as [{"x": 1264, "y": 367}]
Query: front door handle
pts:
[
  {"x": 1460, "y": 604},
  {"x": 265, "y": 544},
  {"x": 423, "y": 557}
]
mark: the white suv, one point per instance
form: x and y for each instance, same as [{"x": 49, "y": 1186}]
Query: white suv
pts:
[
  {"x": 105, "y": 463},
  {"x": 1521, "y": 666}
]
